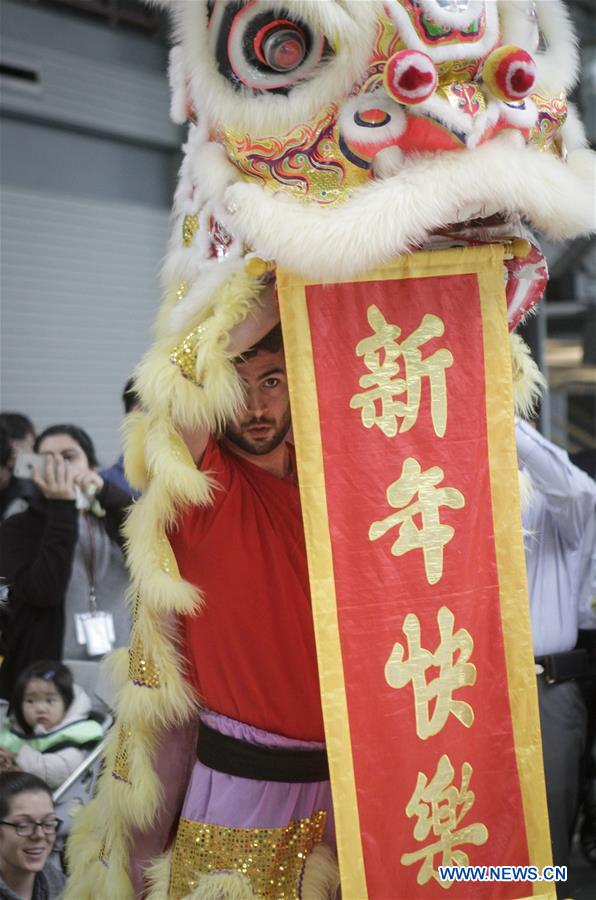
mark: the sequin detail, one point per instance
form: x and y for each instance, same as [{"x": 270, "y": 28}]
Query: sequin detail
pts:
[
  {"x": 121, "y": 770},
  {"x": 181, "y": 290},
  {"x": 167, "y": 560},
  {"x": 142, "y": 671},
  {"x": 104, "y": 853},
  {"x": 271, "y": 858},
  {"x": 190, "y": 226},
  {"x": 185, "y": 354}
]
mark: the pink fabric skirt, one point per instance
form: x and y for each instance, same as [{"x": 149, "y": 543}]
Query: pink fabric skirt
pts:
[{"x": 216, "y": 798}]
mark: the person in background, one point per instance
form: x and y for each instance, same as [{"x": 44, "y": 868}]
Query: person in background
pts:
[
  {"x": 557, "y": 523},
  {"x": 115, "y": 473},
  {"x": 20, "y": 429},
  {"x": 586, "y": 460},
  {"x": 15, "y": 493},
  {"x": 28, "y": 829},
  {"x": 63, "y": 562},
  {"x": 49, "y": 732}
]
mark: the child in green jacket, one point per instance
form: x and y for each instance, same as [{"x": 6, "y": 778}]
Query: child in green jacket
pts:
[{"x": 48, "y": 732}]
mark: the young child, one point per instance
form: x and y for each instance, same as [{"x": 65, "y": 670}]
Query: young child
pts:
[{"x": 48, "y": 732}]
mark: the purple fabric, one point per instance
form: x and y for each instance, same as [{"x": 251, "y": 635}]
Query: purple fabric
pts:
[{"x": 219, "y": 799}]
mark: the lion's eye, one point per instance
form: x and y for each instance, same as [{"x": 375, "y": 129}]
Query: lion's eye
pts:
[
  {"x": 263, "y": 49},
  {"x": 281, "y": 46}
]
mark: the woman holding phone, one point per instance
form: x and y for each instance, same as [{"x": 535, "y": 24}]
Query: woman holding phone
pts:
[{"x": 63, "y": 561}]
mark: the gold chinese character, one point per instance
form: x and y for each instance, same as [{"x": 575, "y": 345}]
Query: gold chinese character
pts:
[
  {"x": 453, "y": 673},
  {"x": 432, "y": 536},
  {"x": 388, "y": 379},
  {"x": 440, "y": 807}
]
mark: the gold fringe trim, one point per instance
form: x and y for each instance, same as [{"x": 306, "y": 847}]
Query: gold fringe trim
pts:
[{"x": 152, "y": 694}]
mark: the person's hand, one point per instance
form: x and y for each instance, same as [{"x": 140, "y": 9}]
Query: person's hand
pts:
[
  {"x": 90, "y": 483},
  {"x": 8, "y": 760},
  {"x": 55, "y": 481},
  {"x": 262, "y": 318}
]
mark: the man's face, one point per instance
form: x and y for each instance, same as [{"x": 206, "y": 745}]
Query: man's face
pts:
[{"x": 265, "y": 420}]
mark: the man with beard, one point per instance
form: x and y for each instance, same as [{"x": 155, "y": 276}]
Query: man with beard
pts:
[{"x": 261, "y": 762}]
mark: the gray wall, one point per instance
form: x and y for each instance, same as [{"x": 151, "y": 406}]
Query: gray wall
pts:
[{"x": 87, "y": 168}]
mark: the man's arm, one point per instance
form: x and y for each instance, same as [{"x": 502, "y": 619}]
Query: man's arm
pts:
[
  {"x": 242, "y": 337},
  {"x": 569, "y": 493}
]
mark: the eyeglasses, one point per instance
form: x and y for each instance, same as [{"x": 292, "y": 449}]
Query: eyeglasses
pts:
[{"x": 28, "y": 829}]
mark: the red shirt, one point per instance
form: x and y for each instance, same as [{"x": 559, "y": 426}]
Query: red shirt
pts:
[{"x": 251, "y": 648}]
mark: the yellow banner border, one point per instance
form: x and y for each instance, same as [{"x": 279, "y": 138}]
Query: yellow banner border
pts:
[
  {"x": 309, "y": 456},
  {"x": 513, "y": 586},
  {"x": 486, "y": 262}
]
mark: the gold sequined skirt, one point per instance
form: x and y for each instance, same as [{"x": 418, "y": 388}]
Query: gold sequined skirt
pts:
[{"x": 271, "y": 860}]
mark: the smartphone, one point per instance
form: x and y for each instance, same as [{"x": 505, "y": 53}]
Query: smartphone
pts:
[{"x": 23, "y": 465}]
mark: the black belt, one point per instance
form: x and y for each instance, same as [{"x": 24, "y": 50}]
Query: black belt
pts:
[
  {"x": 564, "y": 666},
  {"x": 234, "y": 757}
]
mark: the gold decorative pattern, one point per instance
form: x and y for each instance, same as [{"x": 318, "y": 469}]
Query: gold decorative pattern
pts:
[
  {"x": 185, "y": 354},
  {"x": 552, "y": 115},
  {"x": 166, "y": 558},
  {"x": 190, "y": 226},
  {"x": 306, "y": 162},
  {"x": 142, "y": 671},
  {"x": 104, "y": 853},
  {"x": 121, "y": 769},
  {"x": 271, "y": 858}
]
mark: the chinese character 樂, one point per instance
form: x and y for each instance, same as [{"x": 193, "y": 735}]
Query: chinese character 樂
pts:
[{"x": 440, "y": 807}]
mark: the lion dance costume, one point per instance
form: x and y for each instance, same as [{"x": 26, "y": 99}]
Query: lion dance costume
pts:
[{"x": 384, "y": 162}]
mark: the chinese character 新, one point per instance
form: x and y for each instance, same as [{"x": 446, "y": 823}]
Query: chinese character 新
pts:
[{"x": 390, "y": 379}]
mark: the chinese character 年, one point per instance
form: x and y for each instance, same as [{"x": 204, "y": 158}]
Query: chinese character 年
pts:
[{"x": 432, "y": 536}]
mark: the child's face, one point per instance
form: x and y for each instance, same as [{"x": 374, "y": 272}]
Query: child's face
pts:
[
  {"x": 26, "y": 854},
  {"x": 42, "y": 704}
]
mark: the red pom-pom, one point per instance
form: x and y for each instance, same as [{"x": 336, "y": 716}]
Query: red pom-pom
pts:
[
  {"x": 410, "y": 77},
  {"x": 509, "y": 73}
]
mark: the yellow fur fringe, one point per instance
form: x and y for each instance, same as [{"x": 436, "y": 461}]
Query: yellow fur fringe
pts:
[
  {"x": 222, "y": 886},
  {"x": 158, "y": 461},
  {"x": 528, "y": 380},
  {"x": 321, "y": 874},
  {"x": 158, "y": 877}
]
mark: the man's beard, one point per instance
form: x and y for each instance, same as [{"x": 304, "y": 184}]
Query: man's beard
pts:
[{"x": 236, "y": 435}]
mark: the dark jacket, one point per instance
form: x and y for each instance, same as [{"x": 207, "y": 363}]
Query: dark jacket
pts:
[
  {"x": 36, "y": 554},
  {"x": 48, "y": 885}
]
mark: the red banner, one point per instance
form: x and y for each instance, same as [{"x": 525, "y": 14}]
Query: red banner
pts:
[{"x": 409, "y": 464}]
